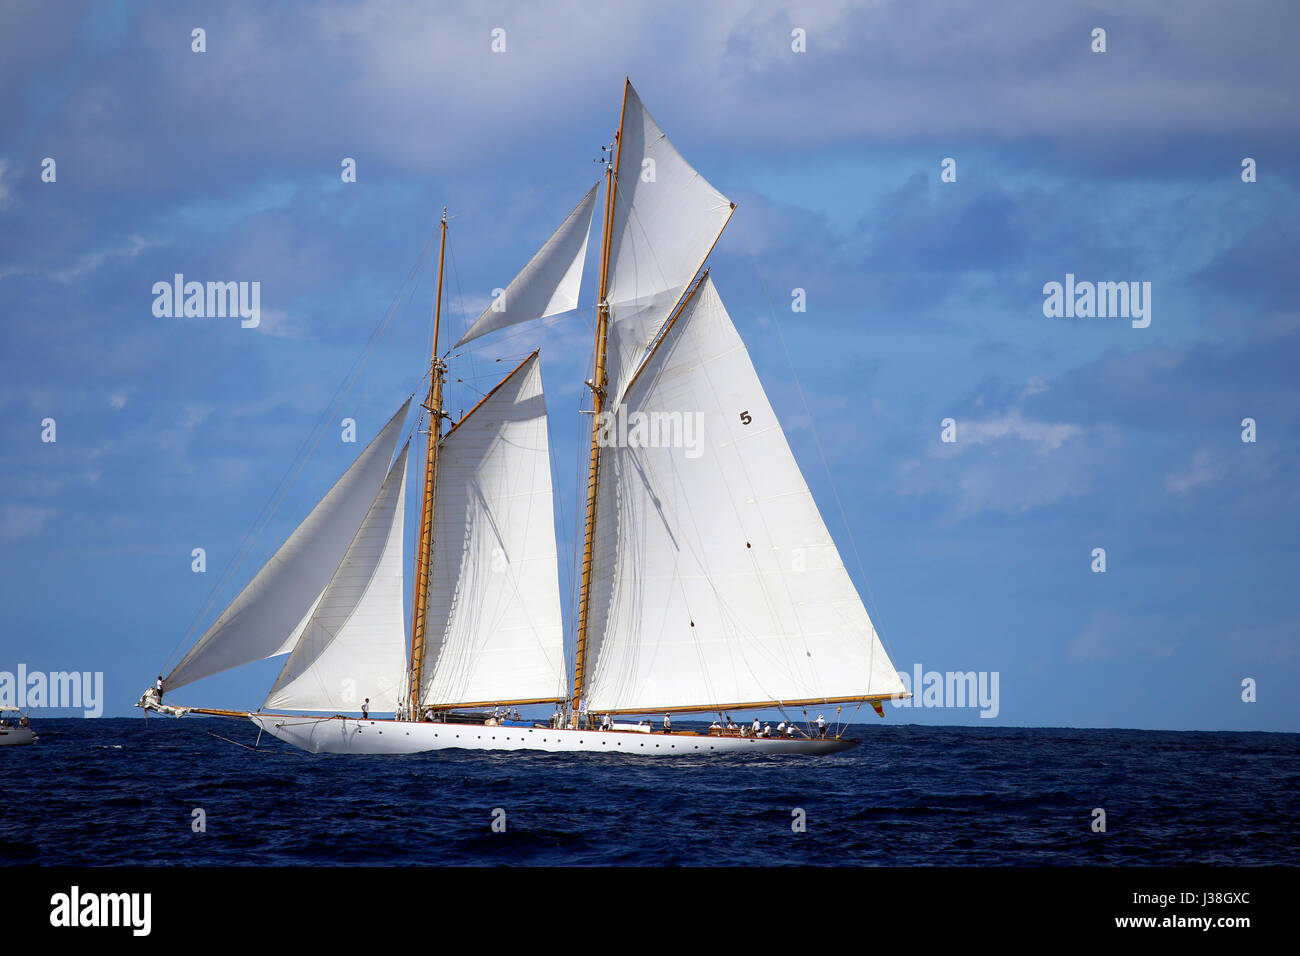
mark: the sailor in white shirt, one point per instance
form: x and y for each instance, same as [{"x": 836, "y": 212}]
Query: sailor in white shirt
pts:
[
  {"x": 821, "y": 726},
  {"x": 780, "y": 729}
]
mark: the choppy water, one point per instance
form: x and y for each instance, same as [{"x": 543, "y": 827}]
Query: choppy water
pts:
[{"x": 118, "y": 792}]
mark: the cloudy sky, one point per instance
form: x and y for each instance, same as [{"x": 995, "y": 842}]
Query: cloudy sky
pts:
[{"x": 925, "y": 301}]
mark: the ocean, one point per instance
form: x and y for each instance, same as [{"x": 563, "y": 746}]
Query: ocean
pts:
[{"x": 123, "y": 792}]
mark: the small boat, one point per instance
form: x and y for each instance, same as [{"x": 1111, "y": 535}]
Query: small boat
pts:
[{"x": 15, "y": 728}]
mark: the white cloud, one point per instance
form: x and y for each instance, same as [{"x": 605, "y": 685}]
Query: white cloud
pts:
[
  {"x": 1009, "y": 464},
  {"x": 1198, "y": 472},
  {"x": 1113, "y": 635},
  {"x": 17, "y": 521}
]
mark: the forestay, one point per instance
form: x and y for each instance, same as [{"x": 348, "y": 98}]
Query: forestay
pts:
[
  {"x": 274, "y": 604},
  {"x": 715, "y": 581},
  {"x": 494, "y": 601},
  {"x": 354, "y": 645}
]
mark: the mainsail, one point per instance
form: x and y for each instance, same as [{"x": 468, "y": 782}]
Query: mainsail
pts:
[
  {"x": 274, "y": 605},
  {"x": 494, "y": 601},
  {"x": 550, "y": 282},
  {"x": 354, "y": 646},
  {"x": 717, "y": 584}
]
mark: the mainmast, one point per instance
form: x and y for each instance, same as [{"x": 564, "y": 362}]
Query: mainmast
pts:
[
  {"x": 597, "y": 384},
  {"x": 437, "y": 370}
]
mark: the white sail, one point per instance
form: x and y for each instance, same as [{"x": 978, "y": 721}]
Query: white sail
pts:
[
  {"x": 633, "y": 327},
  {"x": 354, "y": 646},
  {"x": 549, "y": 284},
  {"x": 666, "y": 215},
  {"x": 273, "y": 605},
  {"x": 715, "y": 581},
  {"x": 494, "y": 625}
]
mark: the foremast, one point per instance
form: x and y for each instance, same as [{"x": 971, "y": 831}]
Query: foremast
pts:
[
  {"x": 424, "y": 554},
  {"x": 597, "y": 384}
]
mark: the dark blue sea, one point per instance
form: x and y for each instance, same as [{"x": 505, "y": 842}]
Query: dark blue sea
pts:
[{"x": 123, "y": 792}]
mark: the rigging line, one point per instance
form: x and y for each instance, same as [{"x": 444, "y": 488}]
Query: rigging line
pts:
[
  {"x": 877, "y": 623},
  {"x": 255, "y": 532}
]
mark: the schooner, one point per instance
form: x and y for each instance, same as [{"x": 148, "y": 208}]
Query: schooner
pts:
[{"x": 709, "y": 582}]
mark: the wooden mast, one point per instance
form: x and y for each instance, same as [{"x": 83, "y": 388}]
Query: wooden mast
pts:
[
  {"x": 597, "y": 384},
  {"x": 437, "y": 369}
]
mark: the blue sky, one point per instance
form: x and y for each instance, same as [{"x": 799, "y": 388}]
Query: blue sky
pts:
[{"x": 924, "y": 302}]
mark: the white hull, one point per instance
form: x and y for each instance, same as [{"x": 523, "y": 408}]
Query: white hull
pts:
[
  {"x": 16, "y": 736},
  {"x": 349, "y": 735}
]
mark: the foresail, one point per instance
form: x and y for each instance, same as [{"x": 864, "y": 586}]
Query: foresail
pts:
[
  {"x": 354, "y": 646},
  {"x": 666, "y": 215},
  {"x": 274, "y": 603},
  {"x": 715, "y": 581},
  {"x": 549, "y": 284},
  {"x": 494, "y": 628}
]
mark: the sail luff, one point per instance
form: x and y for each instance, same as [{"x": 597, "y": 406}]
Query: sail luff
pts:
[
  {"x": 275, "y": 602},
  {"x": 598, "y": 385},
  {"x": 425, "y": 547}
]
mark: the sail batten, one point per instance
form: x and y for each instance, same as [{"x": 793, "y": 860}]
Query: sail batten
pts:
[
  {"x": 273, "y": 606},
  {"x": 549, "y": 283},
  {"x": 717, "y": 579},
  {"x": 353, "y": 647}
]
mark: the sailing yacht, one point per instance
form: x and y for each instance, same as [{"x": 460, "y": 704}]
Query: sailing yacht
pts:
[{"x": 709, "y": 583}]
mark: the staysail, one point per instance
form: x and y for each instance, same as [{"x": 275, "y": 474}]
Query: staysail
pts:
[
  {"x": 549, "y": 284},
  {"x": 274, "y": 604},
  {"x": 717, "y": 584},
  {"x": 354, "y": 646},
  {"x": 494, "y": 627}
]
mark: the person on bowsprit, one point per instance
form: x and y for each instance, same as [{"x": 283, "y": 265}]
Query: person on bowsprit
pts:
[
  {"x": 158, "y": 688},
  {"x": 821, "y": 726},
  {"x": 365, "y": 709}
]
